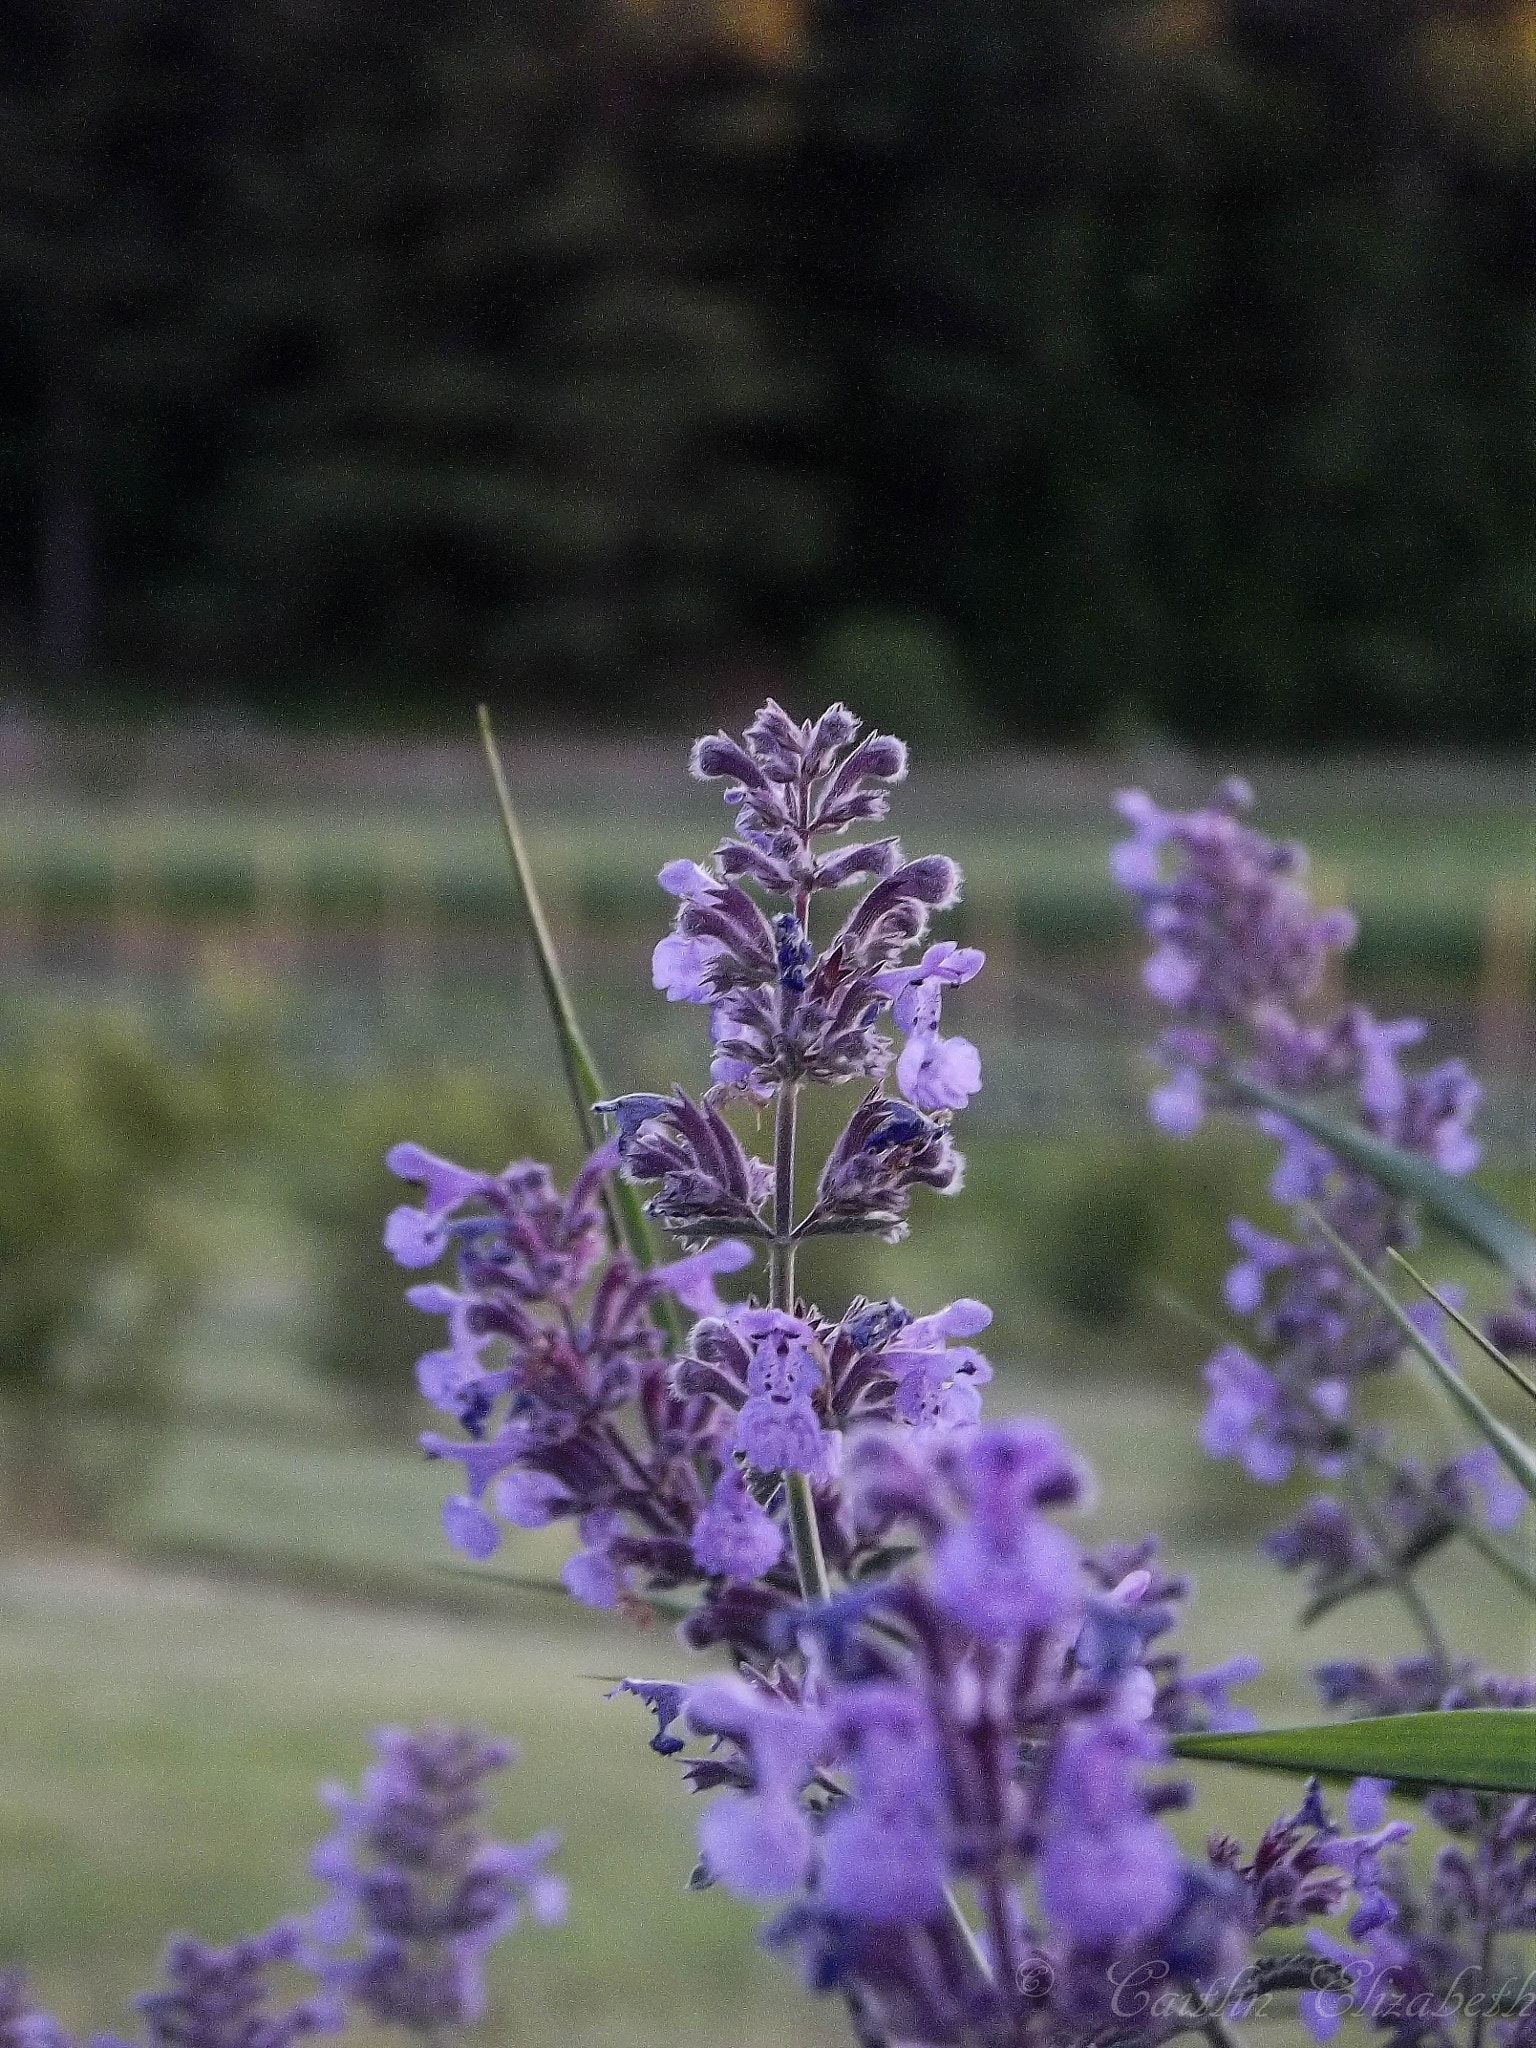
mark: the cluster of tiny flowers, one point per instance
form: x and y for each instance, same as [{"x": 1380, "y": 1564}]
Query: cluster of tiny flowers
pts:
[
  {"x": 780, "y": 1010},
  {"x": 980, "y": 1700},
  {"x": 416, "y": 1884},
  {"x": 985, "y": 1717},
  {"x": 220, "y": 1997},
  {"x": 410, "y": 1879},
  {"x": 572, "y": 1408},
  {"x": 1237, "y": 947},
  {"x": 571, "y": 1404},
  {"x": 1431, "y": 1964}
]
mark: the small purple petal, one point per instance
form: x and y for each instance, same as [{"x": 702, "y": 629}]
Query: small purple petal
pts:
[{"x": 469, "y": 1528}]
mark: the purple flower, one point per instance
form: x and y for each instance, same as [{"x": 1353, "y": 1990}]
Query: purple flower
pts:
[
  {"x": 938, "y": 1073},
  {"x": 757, "y": 1842},
  {"x": 885, "y": 1151},
  {"x": 22, "y": 2024},
  {"x": 883, "y": 1853},
  {"x": 1004, "y": 1569},
  {"x": 775, "y": 1435},
  {"x": 590, "y": 1574},
  {"x": 1244, "y": 1416},
  {"x": 1107, "y": 1872},
  {"x": 417, "y": 1893},
  {"x": 219, "y": 1997},
  {"x": 1178, "y": 1106},
  {"x": 734, "y": 1536},
  {"x": 417, "y": 1237},
  {"x": 1513, "y": 1328},
  {"x": 936, "y": 1386}
]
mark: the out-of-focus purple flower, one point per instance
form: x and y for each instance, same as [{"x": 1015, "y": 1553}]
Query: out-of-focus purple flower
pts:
[
  {"x": 735, "y": 1536},
  {"x": 590, "y": 1574},
  {"x": 1513, "y": 1328},
  {"x": 1365, "y": 1805},
  {"x": 1107, "y": 1873},
  {"x": 1244, "y": 1418},
  {"x": 220, "y": 1997},
  {"x": 757, "y": 1842},
  {"x": 1263, "y": 1255},
  {"x": 1003, "y": 1568},
  {"x": 417, "y": 1893},
  {"x": 1233, "y": 929},
  {"x": 1177, "y": 1107},
  {"x": 883, "y": 1852},
  {"x": 1480, "y": 1475},
  {"x": 22, "y": 2024}
]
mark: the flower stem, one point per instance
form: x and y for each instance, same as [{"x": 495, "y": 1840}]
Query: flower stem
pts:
[
  {"x": 804, "y": 1534},
  {"x": 1400, "y": 1580}
]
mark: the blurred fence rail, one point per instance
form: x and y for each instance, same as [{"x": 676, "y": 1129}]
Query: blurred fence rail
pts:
[{"x": 364, "y": 884}]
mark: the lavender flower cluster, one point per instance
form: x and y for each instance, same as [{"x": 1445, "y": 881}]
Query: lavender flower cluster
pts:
[
  {"x": 985, "y": 1718},
  {"x": 417, "y": 1897},
  {"x": 1238, "y": 950},
  {"x": 676, "y": 1468},
  {"x": 935, "y": 1689}
]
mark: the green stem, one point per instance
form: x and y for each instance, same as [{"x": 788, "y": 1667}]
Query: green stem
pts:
[
  {"x": 804, "y": 1533},
  {"x": 1220, "y": 2032},
  {"x": 1400, "y": 1580}
]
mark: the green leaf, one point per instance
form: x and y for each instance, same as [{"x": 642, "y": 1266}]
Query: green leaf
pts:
[
  {"x": 1516, "y": 1455},
  {"x": 582, "y": 1077},
  {"x": 1471, "y": 1216},
  {"x": 1487, "y": 1749},
  {"x": 1484, "y": 1344}
]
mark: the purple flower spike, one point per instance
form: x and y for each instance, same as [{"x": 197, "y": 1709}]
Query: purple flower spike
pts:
[
  {"x": 417, "y": 1893},
  {"x": 218, "y": 1997}
]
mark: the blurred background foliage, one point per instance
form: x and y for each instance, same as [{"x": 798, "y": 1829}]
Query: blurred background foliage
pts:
[
  {"x": 1147, "y": 376},
  {"x": 1071, "y": 369}
]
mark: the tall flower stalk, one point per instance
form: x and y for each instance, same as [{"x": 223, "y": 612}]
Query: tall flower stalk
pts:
[
  {"x": 1238, "y": 958},
  {"x": 937, "y": 1692}
]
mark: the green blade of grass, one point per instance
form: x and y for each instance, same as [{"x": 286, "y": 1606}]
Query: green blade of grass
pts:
[
  {"x": 1515, "y": 1454},
  {"x": 585, "y": 1083},
  {"x": 1484, "y": 1344},
  {"x": 1471, "y": 1216},
  {"x": 1486, "y": 1749}
]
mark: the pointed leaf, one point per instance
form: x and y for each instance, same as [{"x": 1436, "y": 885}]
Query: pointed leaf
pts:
[
  {"x": 1484, "y": 1344},
  {"x": 1471, "y": 1216},
  {"x": 585, "y": 1082},
  {"x": 1488, "y": 1749},
  {"x": 1517, "y": 1456}
]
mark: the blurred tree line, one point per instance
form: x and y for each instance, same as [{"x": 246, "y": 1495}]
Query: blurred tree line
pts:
[{"x": 1065, "y": 367}]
